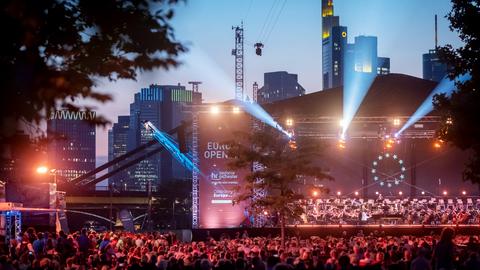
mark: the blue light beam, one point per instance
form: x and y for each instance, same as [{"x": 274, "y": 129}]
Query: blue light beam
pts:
[
  {"x": 255, "y": 110},
  {"x": 166, "y": 141},
  {"x": 355, "y": 88},
  {"x": 445, "y": 86}
]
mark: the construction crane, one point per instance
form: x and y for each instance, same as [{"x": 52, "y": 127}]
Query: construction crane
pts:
[{"x": 238, "y": 53}]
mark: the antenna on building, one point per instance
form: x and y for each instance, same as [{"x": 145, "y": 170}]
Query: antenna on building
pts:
[
  {"x": 436, "y": 33},
  {"x": 195, "y": 85}
]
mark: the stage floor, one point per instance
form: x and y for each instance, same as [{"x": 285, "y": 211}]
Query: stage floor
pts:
[{"x": 337, "y": 230}]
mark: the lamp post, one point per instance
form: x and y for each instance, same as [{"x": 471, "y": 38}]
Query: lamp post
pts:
[{"x": 43, "y": 170}]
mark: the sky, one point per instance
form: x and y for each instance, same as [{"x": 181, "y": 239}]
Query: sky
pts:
[{"x": 291, "y": 33}]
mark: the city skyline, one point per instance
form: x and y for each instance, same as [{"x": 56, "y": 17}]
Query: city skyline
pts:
[{"x": 209, "y": 59}]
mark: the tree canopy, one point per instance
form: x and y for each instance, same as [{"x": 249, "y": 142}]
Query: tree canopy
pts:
[
  {"x": 285, "y": 164},
  {"x": 54, "y": 52},
  {"x": 461, "y": 110}
]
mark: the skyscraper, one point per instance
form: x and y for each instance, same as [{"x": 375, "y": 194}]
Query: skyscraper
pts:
[
  {"x": 117, "y": 146},
  {"x": 279, "y": 85},
  {"x": 383, "y": 67},
  {"x": 339, "y": 56},
  {"x": 433, "y": 68},
  {"x": 334, "y": 42},
  {"x": 161, "y": 105},
  {"x": 362, "y": 56},
  {"x": 72, "y": 149}
]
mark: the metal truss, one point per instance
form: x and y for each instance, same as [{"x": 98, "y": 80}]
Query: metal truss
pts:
[{"x": 195, "y": 173}]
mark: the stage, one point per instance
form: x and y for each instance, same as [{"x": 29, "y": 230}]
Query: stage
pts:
[{"x": 306, "y": 231}]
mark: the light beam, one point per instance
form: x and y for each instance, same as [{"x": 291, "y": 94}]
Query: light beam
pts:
[
  {"x": 355, "y": 88},
  {"x": 445, "y": 86},
  {"x": 255, "y": 110}
]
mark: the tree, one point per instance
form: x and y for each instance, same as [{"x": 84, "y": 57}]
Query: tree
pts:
[
  {"x": 461, "y": 110},
  {"x": 54, "y": 52},
  {"x": 285, "y": 164}
]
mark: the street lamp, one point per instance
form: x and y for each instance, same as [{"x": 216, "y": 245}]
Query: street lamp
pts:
[{"x": 42, "y": 169}]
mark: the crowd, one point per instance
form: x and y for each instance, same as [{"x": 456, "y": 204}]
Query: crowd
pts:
[
  {"x": 426, "y": 211},
  {"x": 121, "y": 250}
]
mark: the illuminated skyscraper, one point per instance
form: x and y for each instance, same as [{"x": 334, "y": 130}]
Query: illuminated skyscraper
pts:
[
  {"x": 117, "y": 146},
  {"x": 334, "y": 42},
  {"x": 161, "y": 105},
  {"x": 362, "y": 56},
  {"x": 72, "y": 149}
]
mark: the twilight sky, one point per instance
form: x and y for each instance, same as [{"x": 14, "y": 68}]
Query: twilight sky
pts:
[{"x": 291, "y": 33}]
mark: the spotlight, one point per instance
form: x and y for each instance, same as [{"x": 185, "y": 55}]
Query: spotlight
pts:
[
  {"x": 315, "y": 193},
  {"x": 376, "y": 193},
  {"x": 400, "y": 193},
  {"x": 214, "y": 110},
  {"x": 449, "y": 121},
  {"x": 289, "y": 122},
  {"x": 389, "y": 142},
  {"x": 339, "y": 193},
  {"x": 236, "y": 110},
  {"x": 396, "y": 121},
  {"x": 423, "y": 192},
  {"x": 445, "y": 193},
  {"x": 265, "y": 213},
  {"x": 438, "y": 144},
  {"x": 356, "y": 193},
  {"x": 464, "y": 193},
  {"x": 341, "y": 144},
  {"x": 341, "y": 122}
]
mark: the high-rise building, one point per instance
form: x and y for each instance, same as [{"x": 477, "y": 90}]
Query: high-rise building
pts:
[
  {"x": 339, "y": 56},
  {"x": 279, "y": 85},
  {"x": 334, "y": 42},
  {"x": 161, "y": 105},
  {"x": 365, "y": 56},
  {"x": 383, "y": 67},
  {"x": 362, "y": 56},
  {"x": 433, "y": 68},
  {"x": 72, "y": 149},
  {"x": 117, "y": 146}
]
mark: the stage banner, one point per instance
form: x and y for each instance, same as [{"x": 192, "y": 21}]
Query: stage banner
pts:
[{"x": 217, "y": 182}]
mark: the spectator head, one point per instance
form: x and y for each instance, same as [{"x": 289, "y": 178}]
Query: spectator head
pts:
[{"x": 447, "y": 234}]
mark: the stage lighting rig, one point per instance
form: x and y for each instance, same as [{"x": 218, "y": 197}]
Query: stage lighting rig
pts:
[
  {"x": 341, "y": 144},
  {"x": 292, "y": 143},
  {"x": 289, "y": 122},
  {"x": 437, "y": 144}
]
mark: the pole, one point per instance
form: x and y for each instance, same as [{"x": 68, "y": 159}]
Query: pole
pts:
[{"x": 111, "y": 205}]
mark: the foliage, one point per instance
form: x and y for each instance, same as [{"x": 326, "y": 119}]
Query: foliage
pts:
[
  {"x": 54, "y": 52},
  {"x": 285, "y": 165},
  {"x": 461, "y": 110}
]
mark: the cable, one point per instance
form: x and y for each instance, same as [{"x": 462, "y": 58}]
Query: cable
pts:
[
  {"x": 275, "y": 22},
  {"x": 266, "y": 20},
  {"x": 248, "y": 11}
]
